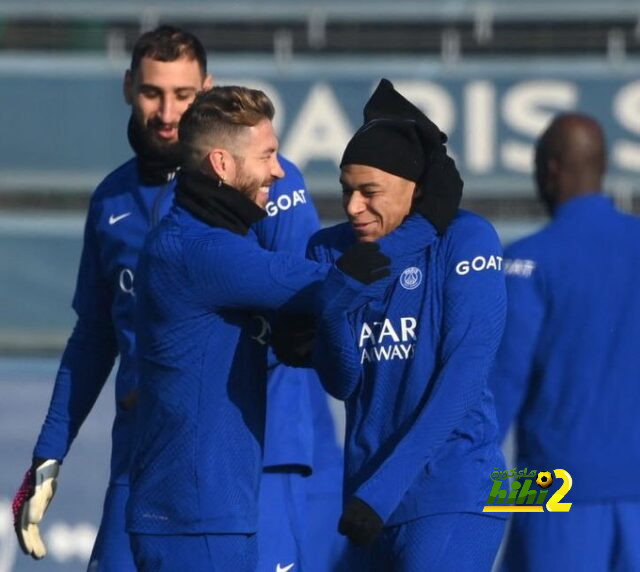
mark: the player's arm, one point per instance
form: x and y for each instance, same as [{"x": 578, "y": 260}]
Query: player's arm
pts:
[
  {"x": 335, "y": 356},
  {"x": 85, "y": 365},
  {"x": 474, "y": 305},
  {"x": 88, "y": 356},
  {"x": 510, "y": 375},
  {"x": 290, "y": 222},
  {"x": 249, "y": 277}
]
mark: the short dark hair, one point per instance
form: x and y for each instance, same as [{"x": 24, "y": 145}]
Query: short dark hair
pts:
[
  {"x": 168, "y": 44},
  {"x": 220, "y": 117}
]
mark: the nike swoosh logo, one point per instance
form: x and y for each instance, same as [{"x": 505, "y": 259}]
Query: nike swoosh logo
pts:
[
  {"x": 114, "y": 219},
  {"x": 284, "y": 568}
]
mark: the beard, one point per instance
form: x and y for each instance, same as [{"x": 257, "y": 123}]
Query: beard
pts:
[
  {"x": 149, "y": 145},
  {"x": 250, "y": 186}
]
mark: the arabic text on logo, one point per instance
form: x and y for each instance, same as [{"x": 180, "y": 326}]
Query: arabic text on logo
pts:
[{"x": 528, "y": 491}]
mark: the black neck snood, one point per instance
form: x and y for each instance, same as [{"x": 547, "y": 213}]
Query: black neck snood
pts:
[{"x": 216, "y": 203}]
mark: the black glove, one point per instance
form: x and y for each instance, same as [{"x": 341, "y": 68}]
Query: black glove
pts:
[
  {"x": 365, "y": 262},
  {"x": 292, "y": 339},
  {"x": 439, "y": 190},
  {"x": 360, "y": 523}
]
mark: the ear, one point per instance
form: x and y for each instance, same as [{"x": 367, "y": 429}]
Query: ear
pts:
[
  {"x": 553, "y": 167},
  {"x": 554, "y": 175},
  {"x": 221, "y": 163},
  {"x": 127, "y": 87},
  {"x": 207, "y": 84}
]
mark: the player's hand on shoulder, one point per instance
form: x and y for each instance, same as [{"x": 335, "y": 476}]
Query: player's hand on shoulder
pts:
[
  {"x": 365, "y": 262},
  {"x": 31, "y": 502}
]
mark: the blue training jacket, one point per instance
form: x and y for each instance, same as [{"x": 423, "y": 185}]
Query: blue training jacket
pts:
[
  {"x": 121, "y": 213},
  {"x": 410, "y": 355},
  {"x": 202, "y": 357},
  {"x": 568, "y": 367}
]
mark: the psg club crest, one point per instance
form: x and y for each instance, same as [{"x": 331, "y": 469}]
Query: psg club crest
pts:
[{"x": 411, "y": 278}]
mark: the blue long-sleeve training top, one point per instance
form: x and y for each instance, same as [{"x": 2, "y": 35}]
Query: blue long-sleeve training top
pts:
[
  {"x": 410, "y": 356},
  {"x": 122, "y": 211},
  {"x": 568, "y": 369},
  {"x": 202, "y": 355}
]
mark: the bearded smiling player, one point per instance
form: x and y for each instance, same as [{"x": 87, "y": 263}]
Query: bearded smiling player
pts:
[
  {"x": 168, "y": 70},
  {"x": 203, "y": 283}
]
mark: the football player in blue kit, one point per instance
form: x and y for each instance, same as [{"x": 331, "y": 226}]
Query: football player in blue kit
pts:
[
  {"x": 205, "y": 291},
  {"x": 408, "y": 349},
  {"x": 568, "y": 367},
  {"x": 168, "y": 69}
]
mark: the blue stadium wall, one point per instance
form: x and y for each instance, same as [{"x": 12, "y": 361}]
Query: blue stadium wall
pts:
[{"x": 65, "y": 118}]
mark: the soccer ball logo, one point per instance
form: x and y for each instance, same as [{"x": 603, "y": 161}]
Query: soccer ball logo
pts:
[{"x": 544, "y": 479}]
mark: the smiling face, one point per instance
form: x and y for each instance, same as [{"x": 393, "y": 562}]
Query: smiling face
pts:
[
  {"x": 376, "y": 202},
  {"x": 159, "y": 93},
  {"x": 257, "y": 167}
]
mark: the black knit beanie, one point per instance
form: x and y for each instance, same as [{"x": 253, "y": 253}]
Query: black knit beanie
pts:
[
  {"x": 396, "y": 136},
  {"x": 391, "y": 145}
]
